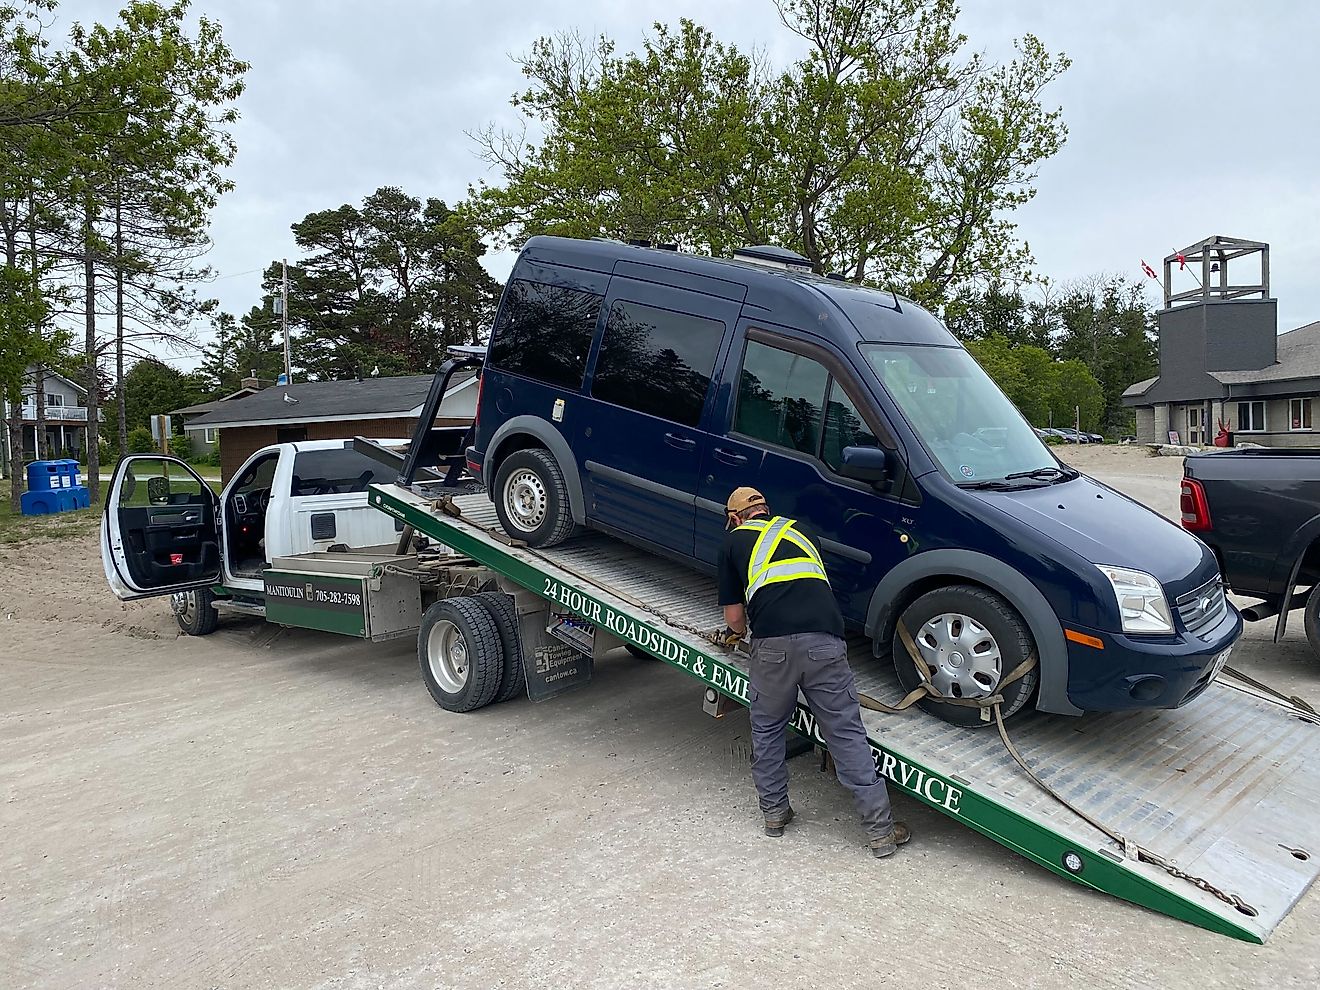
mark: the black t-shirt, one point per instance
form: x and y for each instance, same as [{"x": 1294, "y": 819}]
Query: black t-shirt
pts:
[{"x": 783, "y": 608}]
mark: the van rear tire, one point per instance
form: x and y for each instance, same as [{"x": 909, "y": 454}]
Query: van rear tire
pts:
[
  {"x": 531, "y": 498},
  {"x": 973, "y": 636}
]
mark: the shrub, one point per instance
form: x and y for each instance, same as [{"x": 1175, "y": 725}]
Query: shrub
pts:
[
  {"x": 140, "y": 441},
  {"x": 181, "y": 446}
]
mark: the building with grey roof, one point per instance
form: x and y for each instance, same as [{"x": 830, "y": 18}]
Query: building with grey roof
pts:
[{"x": 1223, "y": 363}]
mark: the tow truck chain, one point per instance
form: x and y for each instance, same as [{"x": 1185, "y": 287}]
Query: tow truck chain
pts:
[{"x": 991, "y": 707}]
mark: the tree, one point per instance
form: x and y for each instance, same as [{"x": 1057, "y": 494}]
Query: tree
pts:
[
  {"x": 22, "y": 310},
  {"x": 240, "y": 350},
  {"x": 1076, "y": 392},
  {"x": 885, "y": 153},
  {"x": 118, "y": 142},
  {"x": 384, "y": 289},
  {"x": 151, "y": 388}
]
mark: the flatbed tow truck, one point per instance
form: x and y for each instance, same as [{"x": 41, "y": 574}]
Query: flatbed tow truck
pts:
[{"x": 1205, "y": 813}]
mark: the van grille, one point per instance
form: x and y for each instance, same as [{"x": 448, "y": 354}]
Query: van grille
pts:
[{"x": 1202, "y": 607}]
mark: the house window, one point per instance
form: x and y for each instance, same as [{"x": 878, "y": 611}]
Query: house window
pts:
[
  {"x": 1299, "y": 414},
  {"x": 211, "y": 434},
  {"x": 1251, "y": 417},
  {"x": 54, "y": 399}
]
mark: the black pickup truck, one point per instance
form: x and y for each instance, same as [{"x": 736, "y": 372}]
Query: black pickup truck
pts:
[{"x": 1258, "y": 509}]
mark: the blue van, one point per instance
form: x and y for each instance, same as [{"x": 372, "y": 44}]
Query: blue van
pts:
[{"x": 630, "y": 390}]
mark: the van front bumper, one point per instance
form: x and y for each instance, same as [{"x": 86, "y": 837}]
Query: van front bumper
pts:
[{"x": 1133, "y": 672}]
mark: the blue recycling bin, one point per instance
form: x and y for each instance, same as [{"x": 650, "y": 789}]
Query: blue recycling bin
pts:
[{"x": 53, "y": 486}]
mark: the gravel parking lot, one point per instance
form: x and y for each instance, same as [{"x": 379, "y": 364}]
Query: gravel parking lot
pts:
[{"x": 276, "y": 808}]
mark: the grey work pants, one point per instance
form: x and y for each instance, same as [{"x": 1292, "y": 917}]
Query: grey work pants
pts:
[{"x": 817, "y": 663}]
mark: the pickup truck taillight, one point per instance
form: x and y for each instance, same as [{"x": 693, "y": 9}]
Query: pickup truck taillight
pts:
[{"x": 1195, "y": 508}]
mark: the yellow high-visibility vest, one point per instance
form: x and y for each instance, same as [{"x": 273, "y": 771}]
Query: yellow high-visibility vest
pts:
[{"x": 763, "y": 569}]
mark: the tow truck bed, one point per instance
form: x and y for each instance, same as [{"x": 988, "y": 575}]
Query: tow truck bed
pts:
[{"x": 1222, "y": 789}]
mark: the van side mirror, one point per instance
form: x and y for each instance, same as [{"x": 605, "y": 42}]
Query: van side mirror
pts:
[{"x": 867, "y": 464}]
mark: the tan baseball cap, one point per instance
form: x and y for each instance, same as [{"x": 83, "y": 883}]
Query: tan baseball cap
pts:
[{"x": 741, "y": 500}]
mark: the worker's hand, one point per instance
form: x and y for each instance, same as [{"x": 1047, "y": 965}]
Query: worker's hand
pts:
[{"x": 728, "y": 639}]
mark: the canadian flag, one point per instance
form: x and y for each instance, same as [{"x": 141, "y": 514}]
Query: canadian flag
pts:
[{"x": 1147, "y": 269}]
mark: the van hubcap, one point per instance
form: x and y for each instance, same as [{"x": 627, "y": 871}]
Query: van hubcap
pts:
[
  {"x": 963, "y": 658},
  {"x": 447, "y": 656},
  {"x": 525, "y": 499}
]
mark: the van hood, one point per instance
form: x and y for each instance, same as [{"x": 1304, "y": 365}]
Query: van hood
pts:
[{"x": 1107, "y": 527}]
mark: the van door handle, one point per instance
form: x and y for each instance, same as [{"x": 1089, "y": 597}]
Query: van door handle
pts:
[
  {"x": 729, "y": 456},
  {"x": 681, "y": 442}
]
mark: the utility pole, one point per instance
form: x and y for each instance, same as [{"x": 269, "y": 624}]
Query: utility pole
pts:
[{"x": 284, "y": 318}]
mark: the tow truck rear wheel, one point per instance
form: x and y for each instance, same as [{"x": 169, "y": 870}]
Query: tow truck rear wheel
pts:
[
  {"x": 194, "y": 611},
  {"x": 461, "y": 655},
  {"x": 970, "y": 639},
  {"x": 513, "y": 677}
]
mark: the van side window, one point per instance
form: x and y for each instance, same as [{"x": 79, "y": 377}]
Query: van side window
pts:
[
  {"x": 844, "y": 427},
  {"x": 544, "y": 332},
  {"x": 780, "y": 398},
  {"x": 656, "y": 361}
]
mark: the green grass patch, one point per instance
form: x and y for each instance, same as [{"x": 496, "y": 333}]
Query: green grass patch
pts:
[{"x": 16, "y": 528}]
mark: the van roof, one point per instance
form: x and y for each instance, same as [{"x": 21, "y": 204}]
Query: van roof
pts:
[{"x": 830, "y": 307}]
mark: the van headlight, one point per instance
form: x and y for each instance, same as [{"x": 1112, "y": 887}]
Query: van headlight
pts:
[{"x": 1141, "y": 601}]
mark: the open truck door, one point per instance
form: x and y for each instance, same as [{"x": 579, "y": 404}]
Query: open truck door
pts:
[{"x": 160, "y": 529}]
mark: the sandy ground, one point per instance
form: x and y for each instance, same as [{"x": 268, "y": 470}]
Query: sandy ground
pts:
[{"x": 264, "y": 808}]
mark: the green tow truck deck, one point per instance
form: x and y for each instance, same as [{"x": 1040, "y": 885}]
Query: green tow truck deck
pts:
[{"x": 1223, "y": 792}]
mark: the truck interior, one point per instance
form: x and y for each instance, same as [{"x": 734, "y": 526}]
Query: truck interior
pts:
[{"x": 245, "y": 517}]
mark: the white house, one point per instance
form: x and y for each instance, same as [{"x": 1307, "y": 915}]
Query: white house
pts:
[{"x": 66, "y": 418}]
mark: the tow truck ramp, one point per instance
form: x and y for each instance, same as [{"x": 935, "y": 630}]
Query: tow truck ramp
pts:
[{"x": 1222, "y": 790}]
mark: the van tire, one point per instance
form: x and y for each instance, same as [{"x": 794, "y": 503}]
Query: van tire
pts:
[
  {"x": 1311, "y": 620},
  {"x": 1005, "y": 628},
  {"x": 513, "y": 677},
  {"x": 194, "y": 611},
  {"x": 531, "y": 498},
  {"x": 468, "y": 677}
]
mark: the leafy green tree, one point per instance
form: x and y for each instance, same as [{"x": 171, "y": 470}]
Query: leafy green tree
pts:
[
  {"x": 152, "y": 387},
  {"x": 22, "y": 311},
  {"x": 1075, "y": 389},
  {"x": 885, "y": 153},
  {"x": 118, "y": 141},
  {"x": 241, "y": 349},
  {"x": 384, "y": 289}
]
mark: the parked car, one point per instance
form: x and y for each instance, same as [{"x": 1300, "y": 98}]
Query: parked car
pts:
[
  {"x": 1258, "y": 509},
  {"x": 630, "y": 390},
  {"x": 1071, "y": 435}
]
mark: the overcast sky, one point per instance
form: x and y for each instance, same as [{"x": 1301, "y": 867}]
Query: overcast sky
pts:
[{"x": 1185, "y": 119}]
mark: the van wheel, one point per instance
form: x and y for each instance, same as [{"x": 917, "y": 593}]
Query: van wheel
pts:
[
  {"x": 194, "y": 611},
  {"x": 462, "y": 659},
  {"x": 531, "y": 498},
  {"x": 969, "y": 639},
  {"x": 1311, "y": 619},
  {"x": 513, "y": 678}
]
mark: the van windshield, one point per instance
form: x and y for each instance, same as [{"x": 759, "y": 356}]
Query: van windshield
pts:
[{"x": 966, "y": 422}]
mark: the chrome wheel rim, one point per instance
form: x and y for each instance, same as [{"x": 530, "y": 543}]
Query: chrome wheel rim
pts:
[
  {"x": 962, "y": 656},
  {"x": 447, "y": 656},
  {"x": 525, "y": 499},
  {"x": 184, "y": 604}
]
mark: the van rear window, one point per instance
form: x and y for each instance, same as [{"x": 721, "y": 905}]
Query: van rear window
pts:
[{"x": 544, "y": 332}]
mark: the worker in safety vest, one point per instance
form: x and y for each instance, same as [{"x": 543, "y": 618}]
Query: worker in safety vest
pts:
[{"x": 771, "y": 573}]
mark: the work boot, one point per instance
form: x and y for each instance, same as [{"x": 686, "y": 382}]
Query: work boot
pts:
[
  {"x": 887, "y": 845},
  {"x": 774, "y": 823}
]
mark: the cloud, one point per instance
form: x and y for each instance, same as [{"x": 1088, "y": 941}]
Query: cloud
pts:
[{"x": 1186, "y": 120}]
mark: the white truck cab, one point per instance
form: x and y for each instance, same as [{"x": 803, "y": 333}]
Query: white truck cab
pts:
[{"x": 165, "y": 532}]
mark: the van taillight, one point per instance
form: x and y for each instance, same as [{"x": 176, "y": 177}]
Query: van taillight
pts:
[
  {"x": 477, "y": 415},
  {"x": 1195, "y": 508}
]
